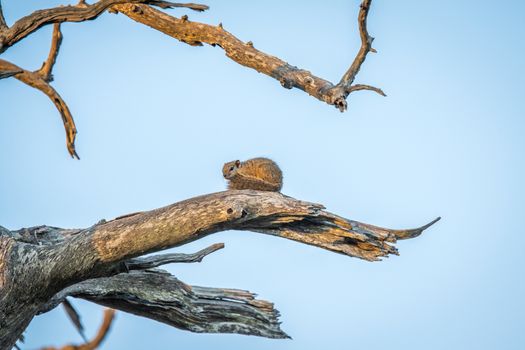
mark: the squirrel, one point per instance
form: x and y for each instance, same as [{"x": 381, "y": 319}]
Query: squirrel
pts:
[{"x": 261, "y": 174}]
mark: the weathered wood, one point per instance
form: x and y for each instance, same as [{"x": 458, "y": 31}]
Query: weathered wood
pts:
[
  {"x": 40, "y": 81},
  {"x": 77, "y": 13},
  {"x": 192, "y": 33},
  {"x": 157, "y": 295},
  {"x": 38, "y": 263},
  {"x": 93, "y": 344}
]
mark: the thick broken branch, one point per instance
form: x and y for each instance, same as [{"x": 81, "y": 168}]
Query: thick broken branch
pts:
[
  {"x": 38, "y": 81},
  {"x": 47, "y": 66},
  {"x": 157, "y": 295}
]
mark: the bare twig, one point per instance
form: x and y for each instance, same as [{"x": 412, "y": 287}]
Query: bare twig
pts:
[
  {"x": 47, "y": 66},
  {"x": 163, "y": 259},
  {"x": 366, "y": 46},
  {"x": 345, "y": 87},
  {"x": 109, "y": 315},
  {"x": 74, "y": 317},
  {"x": 3, "y": 25},
  {"x": 35, "y": 80},
  {"x": 168, "y": 5}
]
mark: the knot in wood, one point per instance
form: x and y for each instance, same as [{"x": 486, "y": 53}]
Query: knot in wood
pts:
[
  {"x": 136, "y": 9},
  {"x": 236, "y": 212},
  {"x": 286, "y": 83}
]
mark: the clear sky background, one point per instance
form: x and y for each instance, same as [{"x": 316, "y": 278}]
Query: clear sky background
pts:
[{"x": 157, "y": 119}]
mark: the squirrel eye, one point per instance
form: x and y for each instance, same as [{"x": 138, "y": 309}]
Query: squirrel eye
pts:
[{"x": 231, "y": 168}]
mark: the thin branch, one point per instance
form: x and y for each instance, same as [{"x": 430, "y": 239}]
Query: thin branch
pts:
[
  {"x": 109, "y": 315},
  {"x": 35, "y": 80},
  {"x": 74, "y": 317},
  {"x": 366, "y": 46},
  {"x": 169, "y": 5},
  {"x": 163, "y": 259},
  {"x": 358, "y": 87},
  {"x": 78, "y": 13},
  {"x": 158, "y": 295},
  {"x": 345, "y": 87},
  {"x": 3, "y": 24},
  {"x": 47, "y": 66}
]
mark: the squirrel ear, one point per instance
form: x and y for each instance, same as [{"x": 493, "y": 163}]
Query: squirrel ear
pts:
[{"x": 237, "y": 163}]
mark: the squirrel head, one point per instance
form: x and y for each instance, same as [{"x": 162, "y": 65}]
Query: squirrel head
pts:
[{"x": 230, "y": 169}]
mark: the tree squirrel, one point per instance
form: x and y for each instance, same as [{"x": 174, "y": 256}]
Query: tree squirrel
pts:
[{"x": 261, "y": 174}]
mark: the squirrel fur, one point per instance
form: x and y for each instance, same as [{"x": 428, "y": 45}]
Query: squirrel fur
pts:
[{"x": 261, "y": 174}]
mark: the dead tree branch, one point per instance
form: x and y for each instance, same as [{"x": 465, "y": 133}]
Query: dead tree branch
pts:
[
  {"x": 72, "y": 257},
  {"x": 38, "y": 80},
  {"x": 345, "y": 84},
  {"x": 109, "y": 315},
  {"x": 74, "y": 317},
  {"x": 77, "y": 13},
  {"x": 47, "y": 66},
  {"x": 3, "y": 25},
  {"x": 192, "y": 33},
  {"x": 157, "y": 295},
  {"x": 195, "y": 33},
  {"x": 163, "y": 259}
]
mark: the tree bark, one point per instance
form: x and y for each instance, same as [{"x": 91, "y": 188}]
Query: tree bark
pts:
[
  {"x": 41, "y": 264},
  {"x": 186, "y": 31}
]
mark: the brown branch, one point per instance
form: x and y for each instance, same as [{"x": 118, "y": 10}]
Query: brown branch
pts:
[
  {"x": 37, "y": 81},
  {"x": 358, "y": 87},
  {"x": 3, "y": 25},
  {"x": 74, "y": 317},
  {"x": 289, "y": 76},
  {"x": 163, "y": 259},
  {"x": 47, "y": 66},
  {"x": 366, "y": 46},
  {"x": 345, "y": 87},
  {"x": 194, "y": 33},
  {"x": 78, "y": 13},
  {"x": 109, "y": 315}
]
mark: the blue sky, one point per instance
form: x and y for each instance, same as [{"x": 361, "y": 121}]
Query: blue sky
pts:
[{"x": 157, "y": 119}]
